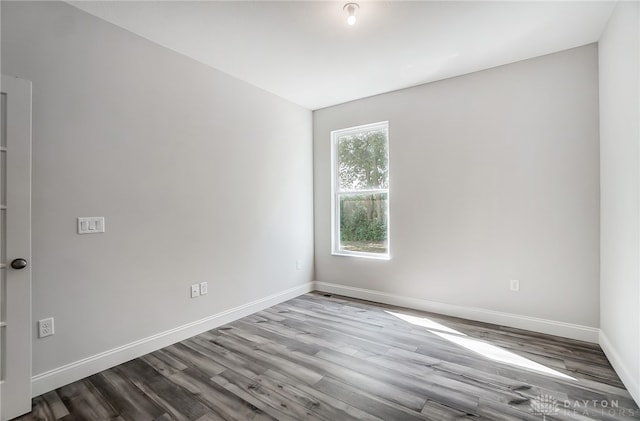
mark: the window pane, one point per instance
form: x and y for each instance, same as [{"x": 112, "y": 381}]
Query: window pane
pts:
[
  {"x": 362, "y": 161},
  {"x": 363, "y": 223}
]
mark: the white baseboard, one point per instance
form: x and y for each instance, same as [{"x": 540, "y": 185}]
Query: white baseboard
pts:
[
  {"x": 551, "y": 327},
  {"x": 53, "y": 379},
  {"x": 631, "y": 381}
]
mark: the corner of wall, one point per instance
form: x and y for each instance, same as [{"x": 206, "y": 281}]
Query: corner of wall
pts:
[{"x": 630, "y": 381}]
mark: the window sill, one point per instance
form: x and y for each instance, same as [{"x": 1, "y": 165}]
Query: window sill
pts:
[{"x": 362, "y": 255}]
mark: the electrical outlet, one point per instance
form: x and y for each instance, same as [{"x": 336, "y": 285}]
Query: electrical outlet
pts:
[
  {"x": 204, "y": 288},
  {"x": 195, "y": 290},
  {"x": 45, "y": 327},
  {"x": 299, "y": 264},
  {"x": 514, "y": 285}
]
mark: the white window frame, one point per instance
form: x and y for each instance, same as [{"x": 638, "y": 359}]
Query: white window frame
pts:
[{"x": 336, "y": 193}]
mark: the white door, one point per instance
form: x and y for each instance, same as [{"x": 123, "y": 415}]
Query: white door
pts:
[{"x": 15, "y": 248}]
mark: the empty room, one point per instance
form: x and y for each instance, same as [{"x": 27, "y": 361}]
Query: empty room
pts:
[{"x": 319, "y": 210}]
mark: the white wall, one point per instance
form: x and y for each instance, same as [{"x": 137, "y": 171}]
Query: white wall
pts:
[
  {"x": 201, "y": 177},
  {"x": 493, "y": 176},
  {"x": 620, "y": 183}
]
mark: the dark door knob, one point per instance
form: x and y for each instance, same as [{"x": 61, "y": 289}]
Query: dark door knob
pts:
[{"x": 19, "y": 263}]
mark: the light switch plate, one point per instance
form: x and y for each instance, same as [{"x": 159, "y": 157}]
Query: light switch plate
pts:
[{"x": 90, "y": 224}]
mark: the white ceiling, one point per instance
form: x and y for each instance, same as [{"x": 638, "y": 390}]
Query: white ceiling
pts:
[{"x": 304, "y": 51}]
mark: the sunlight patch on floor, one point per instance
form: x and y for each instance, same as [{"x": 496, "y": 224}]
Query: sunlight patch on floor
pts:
[{"x": 483, "y": 348}]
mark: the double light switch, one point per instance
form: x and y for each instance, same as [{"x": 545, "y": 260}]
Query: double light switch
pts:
[{"x": 90, "y": 224}]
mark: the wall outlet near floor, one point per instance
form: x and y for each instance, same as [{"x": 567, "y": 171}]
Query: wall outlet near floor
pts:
[
  {"x": 204, "y": 288},
  {"x": 45, "y": 327},
  {"x": 514, "y": 285},
  {"x": 195, "y": 290},
  {"x": 299, "y": 264}
]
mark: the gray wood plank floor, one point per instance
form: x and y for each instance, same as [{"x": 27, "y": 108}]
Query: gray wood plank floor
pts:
[{"x": 326, "y": 357}]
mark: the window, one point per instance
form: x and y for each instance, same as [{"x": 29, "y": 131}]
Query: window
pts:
[{"x": 361, "y": 191}]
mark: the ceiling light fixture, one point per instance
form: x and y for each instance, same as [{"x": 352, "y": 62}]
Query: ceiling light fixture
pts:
[{"x": 351, "y": 9}]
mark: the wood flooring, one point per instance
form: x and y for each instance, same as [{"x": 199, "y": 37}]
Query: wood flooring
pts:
[{"x": 324, "y": 357}]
